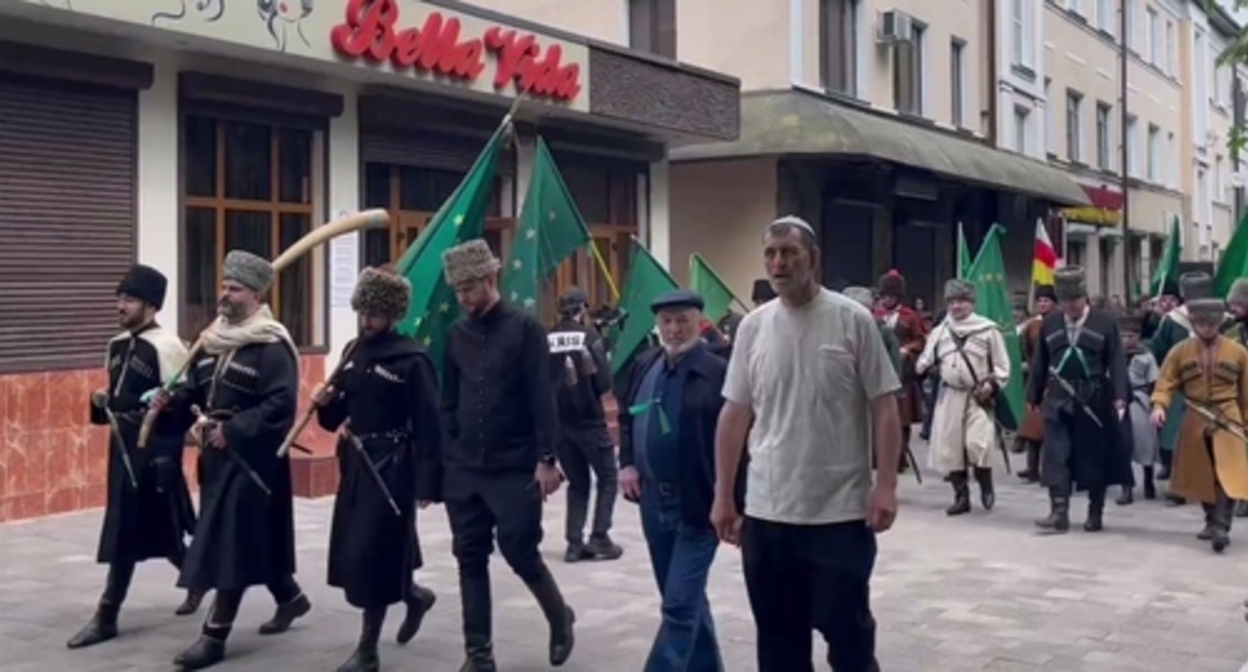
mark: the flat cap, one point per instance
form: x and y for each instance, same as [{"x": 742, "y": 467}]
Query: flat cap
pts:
[{"x": 677, "y": 298}]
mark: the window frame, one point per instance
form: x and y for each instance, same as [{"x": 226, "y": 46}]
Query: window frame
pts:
[
  {"x": 1074, "y": 134},
  {"x": 1104, "y": 132},
  {"x": 846, "y": 49},
  {"x": 654, "y": 37},
  {"x": 957, "y": 84},
  {"x": 913, "y": 93}
]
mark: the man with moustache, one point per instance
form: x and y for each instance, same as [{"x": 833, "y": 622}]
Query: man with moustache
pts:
[
  {"x": 499, "y": 412},
  {"x": 245, "y": 385},
  {"x": 1031, "y": 432},
  {"x": 389, "y": 458},
  {"x": 1080, "y": 386},
  {"x": 812, "y": 373},
  {"x": 669, "y": 408},
  {"x": 148, "y": 511}
]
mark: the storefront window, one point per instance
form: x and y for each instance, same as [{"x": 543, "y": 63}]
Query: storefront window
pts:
[{"x": 247, "y": 186}]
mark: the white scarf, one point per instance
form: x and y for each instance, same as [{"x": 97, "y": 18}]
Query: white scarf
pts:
[{"x": 223, "y": 337}]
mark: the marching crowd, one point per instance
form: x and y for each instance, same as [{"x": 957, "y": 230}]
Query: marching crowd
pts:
[{"x": 781, "y": 433}]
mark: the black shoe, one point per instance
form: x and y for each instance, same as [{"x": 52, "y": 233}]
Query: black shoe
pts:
[
  {"x": 562, "y": 639},
  {"x": 987, "y": 495},
  {"x": 1150, "y": 489},
  {"x": 204, "y": 653},
  {"x": 418, "y": 605},
  {"x": 1126, "y": 498},
  {"x": 363, "y": 660},
  {"x": 558, "y": 615},
  {"x": 1220, "y": 540},
  {"x": 1096, "y": 510},
  {"x": 1163, "y": 474},
  {"x": 479, "y": 664},
  {"x": 1094, "y": 523},
  {"x": 1206, "y": 534},
  {"x": 1028, "y": 476},
  {"x": 1174, "y": 500},
  {"x": 602, "y": 548},
  {"x": 101, "y": 628},
  {"x": 190, "y": 605},
  {"x": 961, "y": 494},
  {"x": 1058, "y": 520},
  {"x": 577, "y": 553},
  {"x": 1241, "y": 509},
  {"x": 286, "y": 615}
]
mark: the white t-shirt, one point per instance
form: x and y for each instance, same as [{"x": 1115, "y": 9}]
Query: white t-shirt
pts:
[{"x": 809, "y": 374}]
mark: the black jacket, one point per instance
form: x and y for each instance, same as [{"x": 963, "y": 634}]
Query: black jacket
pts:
[{"x": 578, "y": 393}]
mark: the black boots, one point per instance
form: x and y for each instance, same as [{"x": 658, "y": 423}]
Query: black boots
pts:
[
  {"x": 1127, "y": 497},
  {"x": 1096, "y": 510},
  {"x": 1032, "y": 473},
  {"x": 101, "y": 628},
  {"x": 1058, "y": 520},
  {"x": 598, "y": 548},
  {"x": 1150, "y": 488},
  {"x": 419, "y": 602},
  {"x": 1217, "y": 522},
  {"x": 286, "y": 614},
  {"x": 190, "y": 605},
  {"x": 206, "y": 652},
  {"x": 558, "y": 614},
  {"x": 365, "y": 658},
  {"x": 961, "y": 494},
  {"x": 475, "y": 597},
  {"x": 987, "y": 496}
]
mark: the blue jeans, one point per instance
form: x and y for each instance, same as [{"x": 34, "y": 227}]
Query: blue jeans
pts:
[{"x": 681, "y": 557}]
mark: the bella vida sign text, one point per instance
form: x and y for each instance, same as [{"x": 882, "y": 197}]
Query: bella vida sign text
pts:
[{"x": 369, "y": 32}]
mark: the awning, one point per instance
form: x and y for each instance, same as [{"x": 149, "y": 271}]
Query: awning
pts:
[{"x": 792, "y": 122}]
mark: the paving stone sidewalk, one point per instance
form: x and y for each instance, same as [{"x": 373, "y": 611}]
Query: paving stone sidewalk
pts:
[{"x": 979, "y": 592}]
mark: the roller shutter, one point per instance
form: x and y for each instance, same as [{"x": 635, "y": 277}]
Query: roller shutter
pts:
[{"x": 67, "y": 220}]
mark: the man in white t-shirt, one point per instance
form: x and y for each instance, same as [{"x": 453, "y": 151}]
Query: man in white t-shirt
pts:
[{"x": 811, "y": 373}]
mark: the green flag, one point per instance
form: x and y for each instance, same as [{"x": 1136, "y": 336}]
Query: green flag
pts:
[
  {"x": 550, "y": 230},
  {"x": 993, "y": 302},
  {"x": 715, "y": 293},
  {"x": 964, "y": 254},
  {"x": 1168, "y": 267},
  {"x": 646, "y": 280},
  {"x": 1234, "y": 262},
  {"x": 461, "y": 218}
]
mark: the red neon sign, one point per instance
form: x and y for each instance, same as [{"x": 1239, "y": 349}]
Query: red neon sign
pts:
[{"x": 368, "y": 32}]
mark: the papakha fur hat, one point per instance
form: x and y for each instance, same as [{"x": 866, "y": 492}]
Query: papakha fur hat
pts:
[
  {"x": 892, "y": 284},
  {"x": 248, "y": 270},
  {"x": 1195, "y": 286},
  {"x": 1239, "y": 293},
  {"x": 473, "y": 260},
  {"x": 862, "y": 295},
  {"x": 1070, "y": 282},
  {"x": 957, "y": 288},
  {"x": 382, "y": 292},
  {"x": 144, "y": 283},
  {"x": 1207, "y": 310}
]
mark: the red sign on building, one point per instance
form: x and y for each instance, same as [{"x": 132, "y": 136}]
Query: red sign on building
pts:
[{"x": 369, "y": 32}]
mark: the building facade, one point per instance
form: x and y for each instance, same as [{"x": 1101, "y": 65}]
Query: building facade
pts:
[
  {"x": 1211, "y": 216},
  {"x": 168, "y": 132},
  {"x": 870, "y": 118}
]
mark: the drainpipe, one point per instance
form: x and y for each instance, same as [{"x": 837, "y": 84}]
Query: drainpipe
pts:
[
  {"x": 1124, "y": 62},
  {"x": 993, "y": 85}
]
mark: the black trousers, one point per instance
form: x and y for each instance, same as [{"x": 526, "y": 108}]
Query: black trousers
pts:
[
  {"x": 121, "y": 573},
  {"x": 810, "y": 577},
  {"x": 583, "y": 451}
]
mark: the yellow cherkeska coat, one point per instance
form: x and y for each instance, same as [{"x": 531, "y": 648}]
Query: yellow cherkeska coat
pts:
[{"x": 1220, "y": 383}]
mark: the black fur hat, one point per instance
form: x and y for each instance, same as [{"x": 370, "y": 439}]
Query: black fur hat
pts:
[
  {"x": 381, "y": 291},
  {"x": 145, "y": 283}
]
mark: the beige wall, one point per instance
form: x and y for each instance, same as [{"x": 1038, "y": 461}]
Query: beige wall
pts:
[
  {"x": 721, "y": 212},
  {"x": 604, "y": 20}
]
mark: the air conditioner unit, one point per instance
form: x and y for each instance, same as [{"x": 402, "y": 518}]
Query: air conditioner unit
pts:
[{"x": 895, "y": 26}]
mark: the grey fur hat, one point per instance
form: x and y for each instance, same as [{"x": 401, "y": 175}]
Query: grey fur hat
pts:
[
  {"x": 958, "y": 288},
  {"x": 862, "y": 295},
  {"x": 1206, "y": 310},
  {"x": 1070, "y": 282},
  {"x": 473, "y": 260},
  {"x": 248, "y": 270},
  {"x": 1239, "y": 293},
  {"x": 1195, "y": 286},
  {"x": 381, "y": 291}
]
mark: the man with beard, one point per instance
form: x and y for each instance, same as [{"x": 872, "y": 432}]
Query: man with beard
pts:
[
  {"x": 973, "y": 367},
  {"x": 911, "y": 332},
  {"x": 243, "y": 390},
  {"x": 581, "y": 376},
  {"x": 389, "y": 458},
  {"x": 1079, "y": 382},
  {"x": 499, "y": 411},
  {"x": 668, "y": 412},
  {"x": 812, "y": 374},
  {"x": 1211, "y": 465},
  {"x": 1031, "y": 432},
  {"x": 148, "y": 511}
]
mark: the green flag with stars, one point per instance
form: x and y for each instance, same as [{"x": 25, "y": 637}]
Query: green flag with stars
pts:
[
  {"x": 646, "y": 280},
  {"x": 715, "y": 293},
  {"x": 461, "y": 218},
  {"x": 964, "y": 253},
  {"x": 550, "y": 230},
  {"x": 987, "y": 272}
]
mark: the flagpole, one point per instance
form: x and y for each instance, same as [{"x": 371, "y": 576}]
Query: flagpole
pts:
[{"x": 606, "y": 273}]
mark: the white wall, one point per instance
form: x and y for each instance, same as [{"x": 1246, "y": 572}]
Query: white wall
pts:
[
  {"x": 344, "y": 198},
  {"x": 657, "y": 231},
  {"x": 158, "y": 216}
]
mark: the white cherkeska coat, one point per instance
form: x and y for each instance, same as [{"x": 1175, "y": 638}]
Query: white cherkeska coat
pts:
[{"x": 963, "y": 434}]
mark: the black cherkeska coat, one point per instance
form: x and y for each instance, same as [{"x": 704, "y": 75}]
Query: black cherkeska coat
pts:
[
  {"x": 244, "y": 537},
  {"x": 387, "y": 392},
  {"x": 1076, "y": 450},
  {"x": 151, "y": 521}
]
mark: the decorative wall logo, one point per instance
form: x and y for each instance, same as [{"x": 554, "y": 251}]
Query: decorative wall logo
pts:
[{"x": 278, "y": 16}]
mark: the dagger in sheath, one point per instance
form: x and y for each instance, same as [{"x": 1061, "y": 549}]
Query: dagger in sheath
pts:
[
  {"x": 203, "y": 424},
  {"x": 371, "y": 468}
]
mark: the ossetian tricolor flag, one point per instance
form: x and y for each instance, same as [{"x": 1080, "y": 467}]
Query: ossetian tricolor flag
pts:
[{"x": 1044, "y": 258}]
